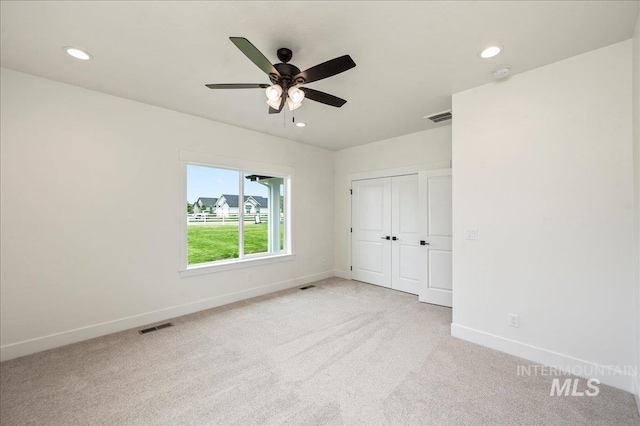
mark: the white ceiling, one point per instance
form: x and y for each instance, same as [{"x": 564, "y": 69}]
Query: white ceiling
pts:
[{"x": 410, "y": 56}]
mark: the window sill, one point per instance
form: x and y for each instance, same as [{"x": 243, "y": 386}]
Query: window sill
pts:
[{"x": 210, "y": 268}]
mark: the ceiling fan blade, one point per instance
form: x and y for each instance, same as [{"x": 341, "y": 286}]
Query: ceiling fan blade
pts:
[
  {"x": 277, "y": 111},
  {"x": 237, "y": 86},
  {"x": 327, "y": 69},
  {"x": 323, "y": 98},
  {"x": 254, "y": 55}
]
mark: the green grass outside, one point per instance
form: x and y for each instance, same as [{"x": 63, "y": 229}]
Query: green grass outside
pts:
[{"x": 217, "y": 242}]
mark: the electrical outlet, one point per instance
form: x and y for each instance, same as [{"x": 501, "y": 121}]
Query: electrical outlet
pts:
[
  {"x": 249, "y": 276},
  {"x": 470, "y": 234},
  {"x": 514, "y": 320}
]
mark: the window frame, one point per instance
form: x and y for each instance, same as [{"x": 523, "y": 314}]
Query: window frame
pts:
[{"x": 242, "y": 167}]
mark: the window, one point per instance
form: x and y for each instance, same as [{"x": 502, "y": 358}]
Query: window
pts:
[{"x": 247, "y": 213}]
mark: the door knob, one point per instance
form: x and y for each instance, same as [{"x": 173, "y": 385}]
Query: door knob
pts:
[
  {"x": 386, "y": 238},
  {"x": 395, "y": 238},
  {"x": 423, "y": 243}
]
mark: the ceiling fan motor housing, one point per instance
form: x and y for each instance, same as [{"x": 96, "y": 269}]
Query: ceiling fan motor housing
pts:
[{"x": 287, "y": 71}]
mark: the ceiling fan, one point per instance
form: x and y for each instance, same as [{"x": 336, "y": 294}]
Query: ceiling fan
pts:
[{"x": 285, "y": 78}]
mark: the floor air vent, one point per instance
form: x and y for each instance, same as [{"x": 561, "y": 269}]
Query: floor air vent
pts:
[
  {"x": 441, "y": 116},
  {"x": 306, "y": 287},
  {"x": 157, "y": 327}
]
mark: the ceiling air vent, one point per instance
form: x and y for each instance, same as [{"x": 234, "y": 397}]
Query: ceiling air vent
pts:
[{"x": 440, "y": 117}]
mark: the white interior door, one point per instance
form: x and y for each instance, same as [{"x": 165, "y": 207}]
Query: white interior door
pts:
[
  {"x": 435, "y": 229},
  {"x": 406, "y": 252},
  {"x": 371, "y": 225}
]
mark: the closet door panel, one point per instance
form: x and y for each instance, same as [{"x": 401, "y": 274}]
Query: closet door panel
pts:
[
  {"x": 406, "y": 265},
  {"x": 371, "y": 224}
]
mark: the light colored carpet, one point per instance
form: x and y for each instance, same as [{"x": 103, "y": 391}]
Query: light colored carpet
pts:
[{"x": 341, "y": 353}]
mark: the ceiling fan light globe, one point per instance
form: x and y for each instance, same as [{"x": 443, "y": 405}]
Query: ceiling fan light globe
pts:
[
  {"x": 274, "y": 104},
  {"x": 293, "y": 105},
  {"x": 274, "y": 92},
  {"x": 296, "y": 95}
]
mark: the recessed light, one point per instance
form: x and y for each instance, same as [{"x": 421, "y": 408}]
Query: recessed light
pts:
[
  {"x": 490, "y": 52},
  {"x": 77, "y": 53},
  {"x": 300, "y": 124}
]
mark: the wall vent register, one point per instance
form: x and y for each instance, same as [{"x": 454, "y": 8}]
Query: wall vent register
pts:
[{"x": 155, "y": 328}]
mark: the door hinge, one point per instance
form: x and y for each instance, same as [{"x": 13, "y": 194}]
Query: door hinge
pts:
[
  {"x": 351, "y": 191},
  {"x": 352, "y": 268},
  {"x": 351, "y": 229}
]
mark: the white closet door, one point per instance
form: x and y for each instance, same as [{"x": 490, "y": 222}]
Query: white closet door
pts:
[
  {"x": 436, "y": 230},
  {"x": 371, "y": 221},
  {"x": 406, "y": 252}
]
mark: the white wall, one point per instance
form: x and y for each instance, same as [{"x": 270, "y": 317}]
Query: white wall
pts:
[
  {"x": 543, "y": 170},
  {"x": 414, "y": 149},
  {"x": 636, "y": 171},
  {"x": 80, "y": 260}
]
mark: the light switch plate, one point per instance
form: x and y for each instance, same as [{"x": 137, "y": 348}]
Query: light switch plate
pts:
[{"x": 470, "y": 234}]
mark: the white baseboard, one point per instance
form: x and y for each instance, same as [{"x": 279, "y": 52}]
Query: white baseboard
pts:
[
  {"x": 51, "y": 341},
  {"x": 544, "y": 356},
  {"x": 342, "y": 274},
  {"x": 636, "y": 393}
]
